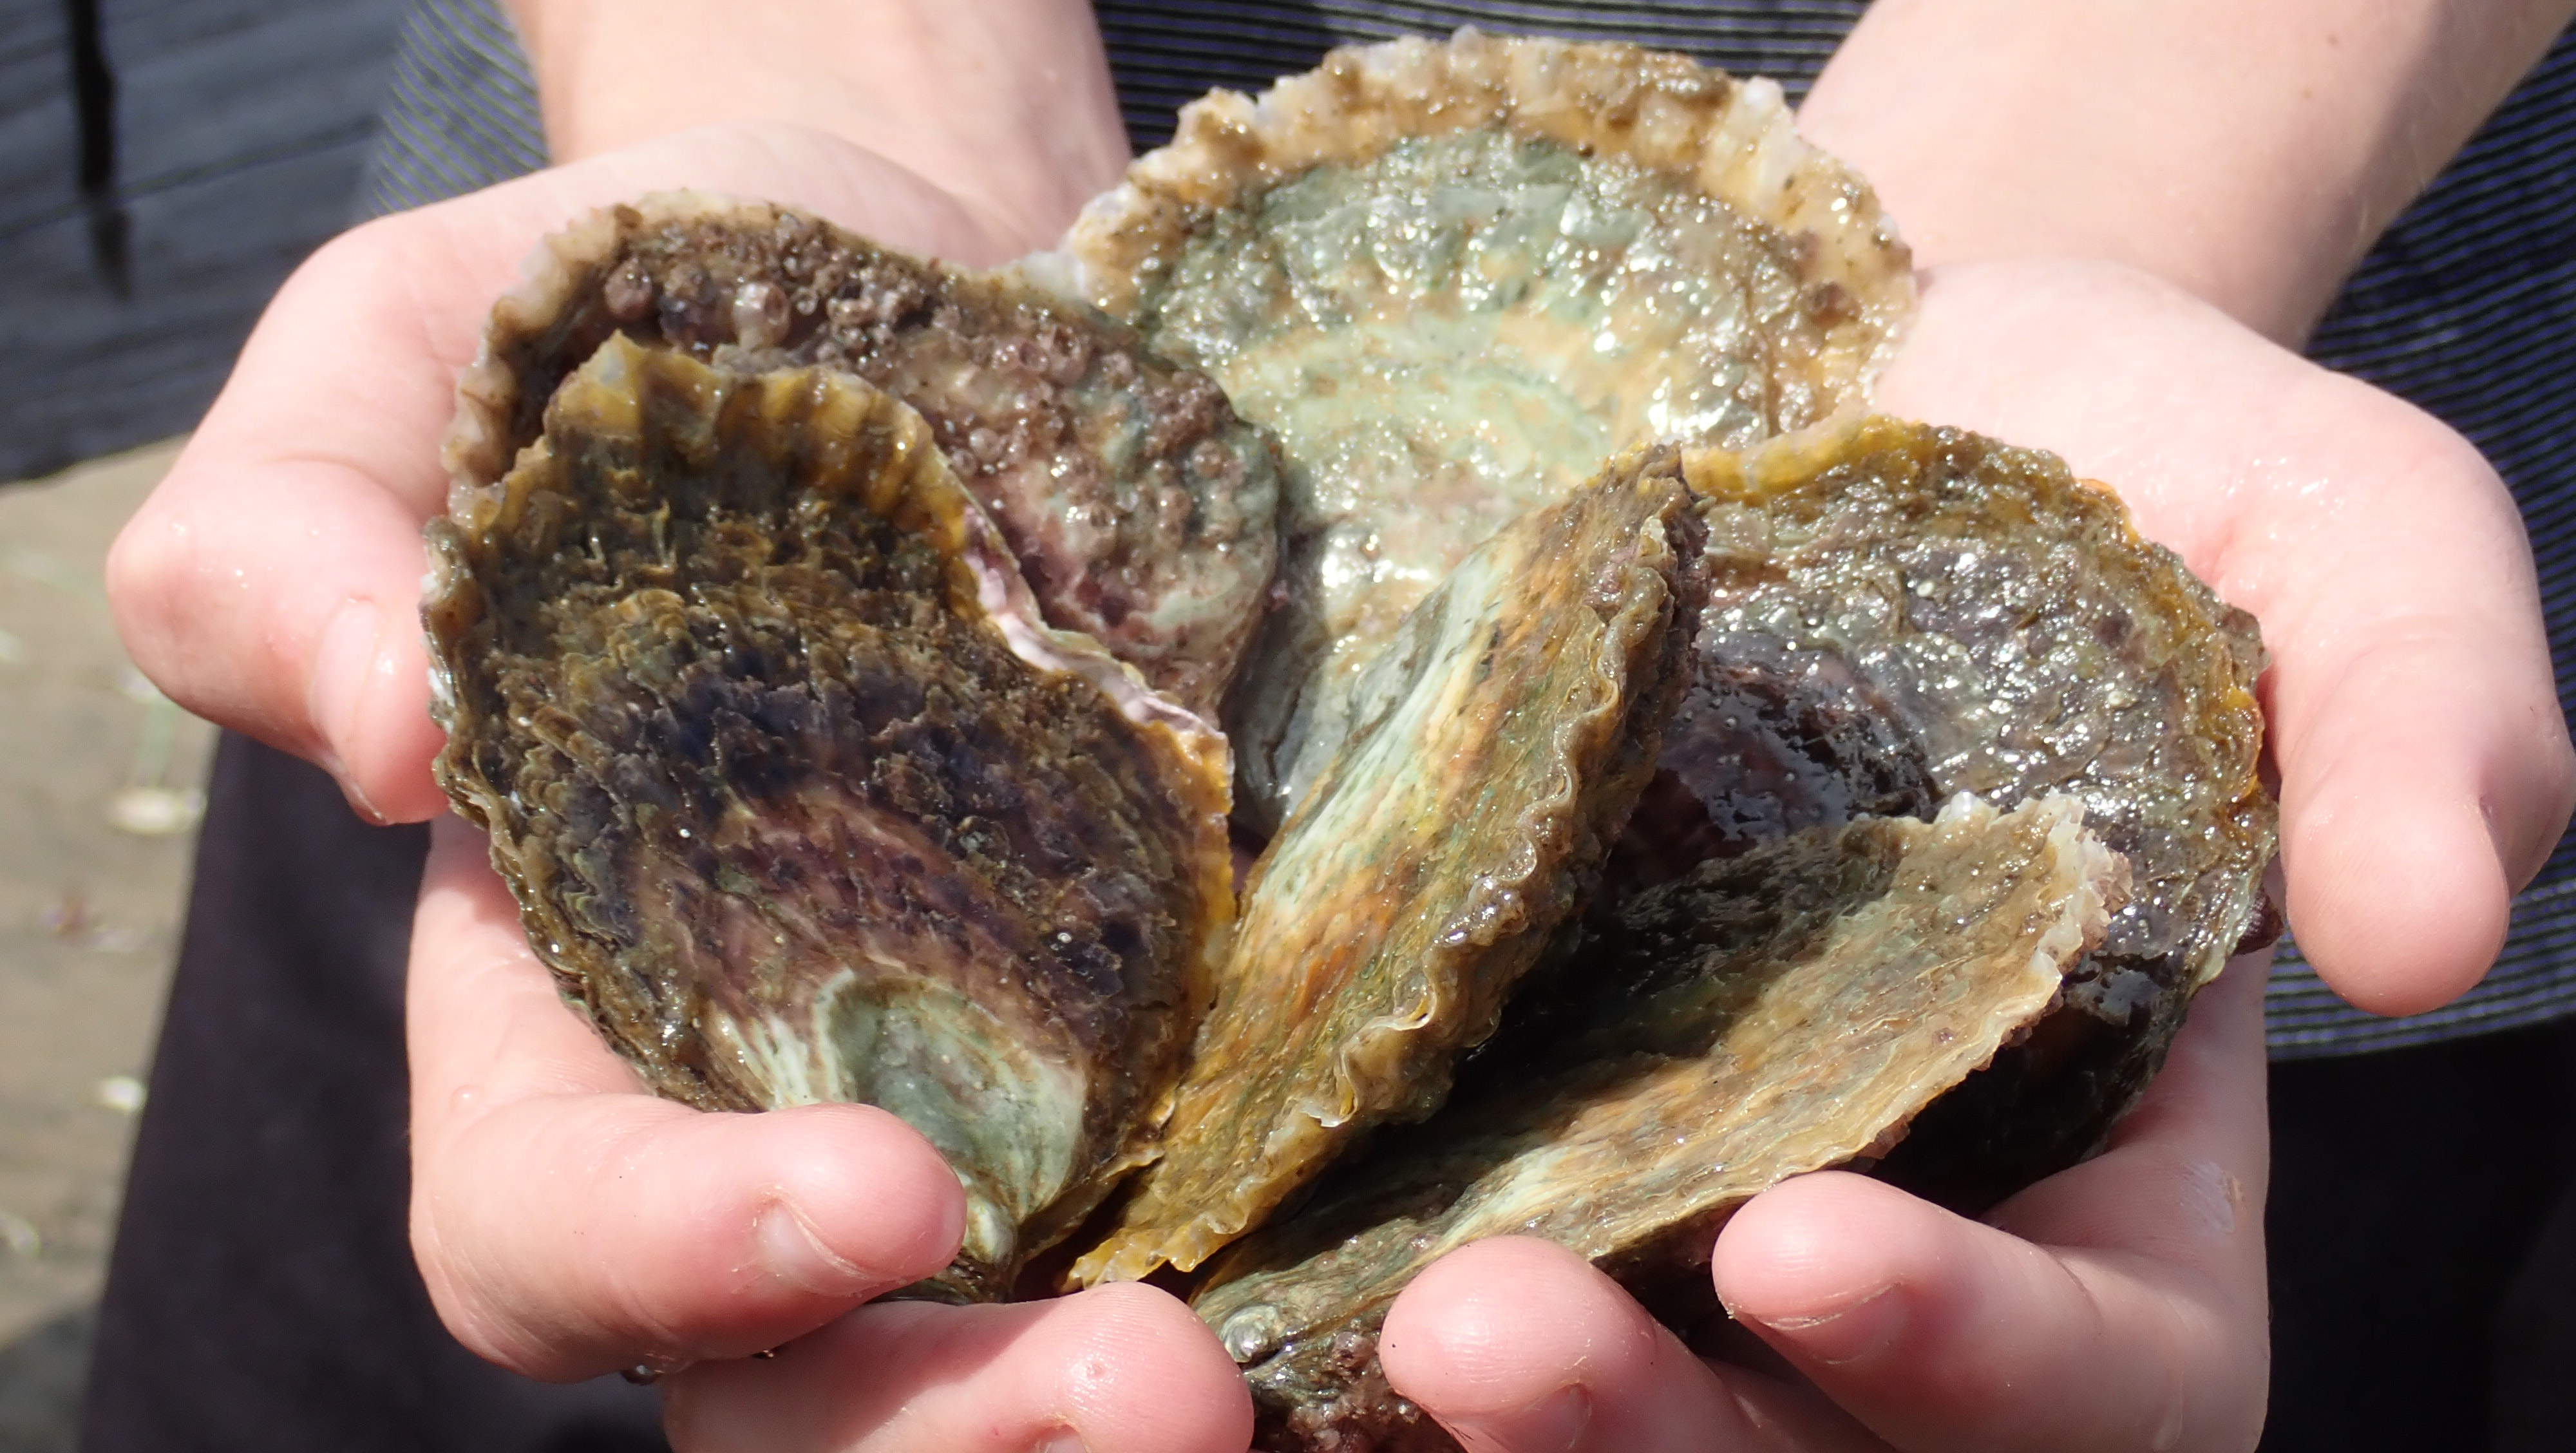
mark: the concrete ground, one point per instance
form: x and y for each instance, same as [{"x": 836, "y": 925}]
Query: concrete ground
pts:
[{"x": 100, "y": 786}]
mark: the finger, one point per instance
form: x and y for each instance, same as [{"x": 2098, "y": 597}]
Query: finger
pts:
[
  {"x": 272, "y": 581},
  {"x": 1517, "y": 1345},
  {"x": 2118, "y": 1305},
  {"x": 1117, "y": 1369},
  {"x": 2425, "y": 766},
  {"x": 568, "y": 1223}
]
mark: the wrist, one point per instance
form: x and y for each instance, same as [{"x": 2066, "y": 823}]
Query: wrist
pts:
[
  {"x": 2250, "y": 155},
  {"x": 1005, "y": 104}
]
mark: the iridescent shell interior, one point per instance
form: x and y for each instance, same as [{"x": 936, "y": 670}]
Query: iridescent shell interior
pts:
[
  {"x": 1446, "y": 478},
  {"x": 1455, "y": 279}
]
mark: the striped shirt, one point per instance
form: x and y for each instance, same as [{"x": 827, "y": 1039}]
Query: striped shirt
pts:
[{"x": 2467, "y": 307}]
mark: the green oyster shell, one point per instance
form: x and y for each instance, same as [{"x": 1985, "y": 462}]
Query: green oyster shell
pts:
[
  {"x": 1456, "y": 278},
  {"x": 1500, "y": 739},
  {"x": 802, "y": 802},
  {"x": 1141, "y": 510}
]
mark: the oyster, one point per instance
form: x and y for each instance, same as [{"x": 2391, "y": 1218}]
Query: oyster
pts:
[
  {"x": 1141, "y": 510},
  {"x": 801, "y": 799},
  {"x": 1456, "y": 279},
  {"x": 1500, "y": 739},
  {"x": 1768, "y": 1014},
  {"x": 1899, "y": 613},
  {"x": 1891, "y": 612},
  {"x": 1704, "y": 818}
]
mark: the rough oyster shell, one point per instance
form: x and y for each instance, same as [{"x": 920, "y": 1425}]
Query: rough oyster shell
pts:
[
  {"x": 1891, "y": 610},
  {"x": 1141, "y": 510},
  {"x": 1899, "y": 613},
  {"x": 1769, "y": 1014},
  {"x": 802, "y": 801},
  {"x": 1456, "y": 279},
  {"x": 1501, "y": 738}
]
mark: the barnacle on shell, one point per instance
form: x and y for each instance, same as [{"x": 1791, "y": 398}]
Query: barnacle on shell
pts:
[
  {"x": 1457, "y": 277},
  {"x": 1141, "y": 510},
  {"x": 1499, "y": 740},
  {"x": 803, "y": 802}
]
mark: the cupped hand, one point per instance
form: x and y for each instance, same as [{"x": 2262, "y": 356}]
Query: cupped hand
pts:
[
  {"x": 2115, "y": 1306},
  {"x": 2425, "y": 774},
  {"x": 569, "y": 1222},
  {"x": 2424, "y": 766},
  {"x": 272, "y": 582}
]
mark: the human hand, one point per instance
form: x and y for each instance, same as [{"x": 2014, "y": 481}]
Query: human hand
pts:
[
  {"x": 2425, "y": 773},
  {"x": 2424, "y": 766},
  {"x": 2117, "y": 1305},
  {"x": 567, "y": 1222},
  {"x": 2101, "y": 196},
  {"x": 272, "y": 582}
]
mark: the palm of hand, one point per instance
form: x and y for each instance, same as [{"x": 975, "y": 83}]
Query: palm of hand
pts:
[
  {"x": 2425, "y": 773},
  {"x": 567, "y": 1222},
  {"x": 2424, "y": 767},
  {"x": 272, "y": 581}
]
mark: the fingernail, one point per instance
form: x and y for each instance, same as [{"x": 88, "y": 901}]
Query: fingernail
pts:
[
  {"x": 343, "y": 661},
  {"x": 1062, "y": 1440},
  {"x": 1860, "y": 1328},
  {"x": 791, "y": 1252}
]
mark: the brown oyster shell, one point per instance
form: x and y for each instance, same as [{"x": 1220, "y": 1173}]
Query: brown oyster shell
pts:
[
  {"x": 1768, "y": 1015},
  {"x": 1455, "y": 278},
  {"x": 1891, "y": 611},
  {"x": 1141, "y": 510},
  {"x": 802, "y": 801},
  {"x": 1501, "y": 738},
  {"x": 1787, "y": 652},
  {"x": 1899, "y": 613}
]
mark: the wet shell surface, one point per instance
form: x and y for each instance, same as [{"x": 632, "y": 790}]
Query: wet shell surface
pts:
[
  {"x": 1785, "y": 966},
  {"x": 1898, "y": 614},
  {"x": 1658, "y": 777},
  {"x": 1769, "y": 1014},
  {"x": 1455, "y": 279},
  {"x": 1141, "y": 510},
  {"x": 1501, "y": 739},
  {"x": 802, "y": 801}
]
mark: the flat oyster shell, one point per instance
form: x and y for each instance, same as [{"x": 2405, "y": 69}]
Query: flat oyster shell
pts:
[
  {"x": 801, "y": 802},
  {"x": 1455, "y": 279},
  {"x": 1501, "y": 738},
  {"x": 1770, "y": 1014},
  {"x": 1140, "y": 509},
  {"x": 1898, "y": 613}
]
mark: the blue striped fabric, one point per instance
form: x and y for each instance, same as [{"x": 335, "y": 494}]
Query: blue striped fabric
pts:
[
  {"x": 1166, "y": 54},
  {"x": 460, "y": 110},
  {"x": 2467, "y": 307}
]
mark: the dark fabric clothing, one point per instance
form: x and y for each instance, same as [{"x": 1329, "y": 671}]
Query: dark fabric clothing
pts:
[
  {"x": 2423, "y": 1231},
  {"x": 262, "y": 1294}
]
